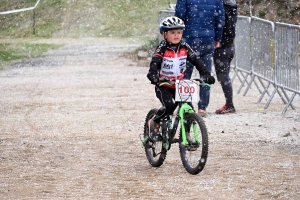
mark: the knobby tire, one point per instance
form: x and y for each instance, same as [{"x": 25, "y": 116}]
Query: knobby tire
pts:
[
  {"x": 155, "y": 152},
  {"x": 194, "y": 155}
]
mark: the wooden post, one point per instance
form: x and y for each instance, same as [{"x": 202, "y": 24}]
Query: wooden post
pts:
[{"x": 33, "y": 26}]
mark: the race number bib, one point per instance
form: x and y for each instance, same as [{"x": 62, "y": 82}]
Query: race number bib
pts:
[{"x": 186, "y": 90}]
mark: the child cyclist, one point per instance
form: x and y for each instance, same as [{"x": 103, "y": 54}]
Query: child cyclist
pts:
[{"x": 169, "y": 60}]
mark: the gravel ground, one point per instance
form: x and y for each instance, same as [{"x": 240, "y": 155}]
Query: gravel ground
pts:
[{"x": 70, "y": 122}]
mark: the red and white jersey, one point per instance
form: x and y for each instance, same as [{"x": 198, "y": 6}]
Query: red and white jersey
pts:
[{"x": 173, "y": 63}]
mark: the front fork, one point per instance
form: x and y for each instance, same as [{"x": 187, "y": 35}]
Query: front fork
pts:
[{"x": 186, "y": 108}]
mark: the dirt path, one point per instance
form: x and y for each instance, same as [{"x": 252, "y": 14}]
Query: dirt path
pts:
[{"x": 69, "y": 129}]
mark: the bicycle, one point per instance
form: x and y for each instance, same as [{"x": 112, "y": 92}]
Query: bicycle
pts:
[{"x": 193, "y": 137}]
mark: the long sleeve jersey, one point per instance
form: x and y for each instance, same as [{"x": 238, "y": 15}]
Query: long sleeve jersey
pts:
[{"x": 166, "y": 62}]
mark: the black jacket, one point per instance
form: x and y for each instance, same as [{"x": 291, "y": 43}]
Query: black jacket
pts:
[
  {"x": 165, "y": 58},
  {"x": 231, "y": 13}
]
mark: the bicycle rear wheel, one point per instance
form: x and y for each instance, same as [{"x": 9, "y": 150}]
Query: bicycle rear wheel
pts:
[
  {"x": 155, "y": 152},
  {"x": 194, "y": 154}
]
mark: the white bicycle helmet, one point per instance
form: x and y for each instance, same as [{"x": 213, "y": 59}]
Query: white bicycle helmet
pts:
[{"x": 171, "y": 23}]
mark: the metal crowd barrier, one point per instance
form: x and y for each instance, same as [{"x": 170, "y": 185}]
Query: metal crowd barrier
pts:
[
  {"x": 262, "y": 38},
  {"x": 242, "y": 51},
  {"x": 287, "y": 61},
  {"x": 273, "y": 57}
]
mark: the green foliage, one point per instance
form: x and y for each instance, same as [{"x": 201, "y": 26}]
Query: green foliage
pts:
[
  {"x": 292, "y": 13},
  {"x": 93, "y": 18},
  {"x": 261, "y": 14},
  {"x": 114, "y": 18},
  {"x": 16, "y": 4}
]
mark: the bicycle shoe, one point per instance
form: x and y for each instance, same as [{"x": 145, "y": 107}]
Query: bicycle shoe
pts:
[{"x": 154, "y": 131}]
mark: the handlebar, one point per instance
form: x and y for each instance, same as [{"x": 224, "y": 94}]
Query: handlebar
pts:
[
  {"x": 163, "y": 79},
  {"x": 202, "y": 83},
  {"x": 167, "y": 81}
]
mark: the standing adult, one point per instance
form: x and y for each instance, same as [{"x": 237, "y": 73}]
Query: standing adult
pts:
[
  {"x": 224, "y": 55},
  {"x": 204, "y": 20}
]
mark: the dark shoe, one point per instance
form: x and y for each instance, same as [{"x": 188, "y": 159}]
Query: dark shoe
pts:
[
  {"x": 225, "y": 109},
  {"x": 202, "y": 113},
  {"x": 154, "y": 131}
]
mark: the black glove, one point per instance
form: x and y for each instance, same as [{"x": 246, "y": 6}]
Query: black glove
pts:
[
  {"x": 209, "y": 79},
  {"x": 154, "y": 80}
]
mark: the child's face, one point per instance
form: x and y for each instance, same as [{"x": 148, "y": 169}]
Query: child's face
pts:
[{"x": 174, "y": 36}]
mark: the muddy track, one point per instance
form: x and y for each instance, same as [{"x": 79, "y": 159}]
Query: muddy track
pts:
[{"x": 70, "y": 122}]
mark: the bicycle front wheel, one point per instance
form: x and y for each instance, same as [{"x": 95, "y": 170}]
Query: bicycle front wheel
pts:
[
  {"x": 155, "y": 152},
  {"x": 194, "y": 153}
]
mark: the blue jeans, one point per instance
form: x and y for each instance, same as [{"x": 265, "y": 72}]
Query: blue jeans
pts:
[{"x": 206, "y": 53}]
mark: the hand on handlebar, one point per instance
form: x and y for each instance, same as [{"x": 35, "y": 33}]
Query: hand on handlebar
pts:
[
  {"x": 209, "y": 79},
  {"x": 156, "y": 80}
]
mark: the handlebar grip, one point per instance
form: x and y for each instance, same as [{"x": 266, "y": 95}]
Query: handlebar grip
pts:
[
  {"x": 198, "y": 79},
  {"x": 163, "y": 79}
]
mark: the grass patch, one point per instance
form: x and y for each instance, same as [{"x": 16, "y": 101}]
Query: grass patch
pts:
[{"x": 17, "y": 51}]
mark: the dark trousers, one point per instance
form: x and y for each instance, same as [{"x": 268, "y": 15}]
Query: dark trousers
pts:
[
  {"x": 166, "y": 96},
  {"x": 222, "y": 60}
]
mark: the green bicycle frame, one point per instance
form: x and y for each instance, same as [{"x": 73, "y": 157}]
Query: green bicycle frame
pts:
[{"x": 186, "y": 108}]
